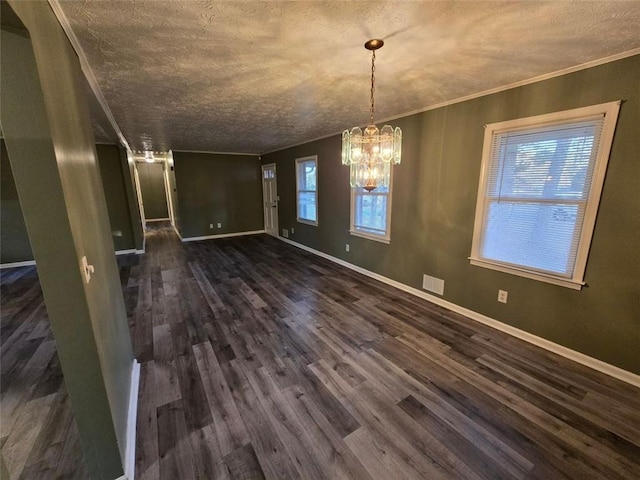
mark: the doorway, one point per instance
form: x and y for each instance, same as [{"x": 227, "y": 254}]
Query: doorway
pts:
[{"x": 270, "y": 199}]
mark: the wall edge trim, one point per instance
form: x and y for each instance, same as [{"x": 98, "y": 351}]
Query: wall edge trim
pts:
[
  {"x": 177, "y": 232},
  {"x": 86, "y": 69},
  {"x": 26, "y": 263},
  {"x": 222, "y": 235},
  {"x": 521, "y": 83},
  {"x": 578, "y": 357},
  {"x": 130, "y": 447}
]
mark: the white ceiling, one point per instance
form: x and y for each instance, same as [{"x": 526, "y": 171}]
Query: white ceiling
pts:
[{"x": 249, "y": 76}]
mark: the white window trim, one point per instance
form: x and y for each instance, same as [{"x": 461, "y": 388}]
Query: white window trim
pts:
[
  {"x": 386, "y": 238},
  {"x": 298, "y": 218},
  {"x": 610, "y": 111}
]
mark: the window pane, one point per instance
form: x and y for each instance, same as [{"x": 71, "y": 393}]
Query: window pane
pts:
[
  {"x": 371, "y": 212},
  {"x": 307, "y": 175},
  {"x": 538, "y": 236},
  {"x": 307, "y": 206},
  {"x": 556, "y": 163}
]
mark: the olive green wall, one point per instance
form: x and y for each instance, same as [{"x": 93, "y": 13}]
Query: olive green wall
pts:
[
  {"x": 434, "y": 201},
  {"x": 218, "y": 188},
  {"x": 154, "y": 197},
  {"x": 115, "y": 194},
  {"x": 14, "y": 240},
  {"x": 51, "y": 148}
]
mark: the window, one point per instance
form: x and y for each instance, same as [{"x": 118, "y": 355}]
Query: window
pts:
[
  {"x": 306, "y": 189},
  {"x": 371, "y": 212},
  {"x": 539, "y": 192}
]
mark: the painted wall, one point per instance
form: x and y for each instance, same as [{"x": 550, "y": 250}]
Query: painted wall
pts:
[
  {"x": 154, "y": 197},
  {"x": 434, "y": 201},
  {"x": 15, "y": 246},
  {"x": 51, "y": 148},
  {"x": 217, "y": 188},
  {"x": 115, "y": 194},
  {"x": 14, "y": 240}
]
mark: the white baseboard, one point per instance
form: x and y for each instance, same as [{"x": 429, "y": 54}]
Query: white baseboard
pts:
[
  {"x": 578, "y": 357},
  {"x": 126, "y": 252},
  {"x": 177, "y": 232},
  {"x": 139, "y": 252},
  {"x": 222, "y": 235},
  {"x": 132, "y": 416},
  {"x": 26, "y": 263},
  {"x": 151, "y": 220}
]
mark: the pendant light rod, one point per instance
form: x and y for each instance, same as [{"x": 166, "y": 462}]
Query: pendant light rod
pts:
[{"x": 373, "y": 45}]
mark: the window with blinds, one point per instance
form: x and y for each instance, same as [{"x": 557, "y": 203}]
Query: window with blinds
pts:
[
  {"x": 539, "y": 193},
  {"x": 371, "y": 213},
  {"x": 307, "y": 190}
]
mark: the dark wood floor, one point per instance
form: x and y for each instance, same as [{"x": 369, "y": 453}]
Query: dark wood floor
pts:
[
  {"x": 38, "y": 433},
  {"x": 261, "y": 360}
]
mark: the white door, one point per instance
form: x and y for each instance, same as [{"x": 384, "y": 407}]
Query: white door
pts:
[{"x": 270, "y": 197}]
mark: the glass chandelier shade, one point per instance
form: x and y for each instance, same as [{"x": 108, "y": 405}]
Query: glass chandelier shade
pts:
[{"x": 371, "y": 154}]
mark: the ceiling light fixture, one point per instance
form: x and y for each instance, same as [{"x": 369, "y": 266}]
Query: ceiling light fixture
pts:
[
  {"x": 371, "y": 154},
  {"x": 148, "y": 157}
]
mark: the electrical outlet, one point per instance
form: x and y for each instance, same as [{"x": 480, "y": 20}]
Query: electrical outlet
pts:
[
  {"x": 292, "y": 231},
  {"x": 219, "y": 225},
  {"x": 502, "y": 296},
  {"x": 285, "y": 233},
  {"x": 346, "y": 247},
  {"x": 211, "y": 225}
]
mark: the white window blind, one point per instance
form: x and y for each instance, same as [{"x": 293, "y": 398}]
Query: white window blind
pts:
[{"x": 538, "y": 185}]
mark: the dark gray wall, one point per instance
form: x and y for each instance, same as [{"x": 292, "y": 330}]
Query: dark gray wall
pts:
[
  {"x": 220, "y": 188},
  {"x": 154, "y": 197},
  {"x": 115, "y": 194},
  {"x": 51, "y": 148},
  {"x": 434, "y": 201},
  {"x": 14, "y": 240}
]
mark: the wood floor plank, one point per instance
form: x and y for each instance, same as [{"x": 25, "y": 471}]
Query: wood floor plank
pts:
[{"x": 336, "y": 375}]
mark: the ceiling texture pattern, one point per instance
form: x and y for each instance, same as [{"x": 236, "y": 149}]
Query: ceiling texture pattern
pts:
[{"x": 253, "y": 77}]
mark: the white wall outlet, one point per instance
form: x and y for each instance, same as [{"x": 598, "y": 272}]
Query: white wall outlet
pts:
[
  {"x": 502, "y": 296},
  {"x": 433, "y": 284},
  {"x": 285, "y": 233},
  {"x": 219, "y": 225},
  {"x": 211, "y": 225},
  {"x": 117, "y": 233},
  {"x": 346, "y": 247},
  {"x": 292, "y": 231}
]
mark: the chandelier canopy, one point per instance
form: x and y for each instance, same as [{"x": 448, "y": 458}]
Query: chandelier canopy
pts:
[{"x": 370, "y": 154}]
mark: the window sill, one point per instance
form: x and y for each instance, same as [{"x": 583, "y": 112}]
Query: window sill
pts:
[
  {"x": 563, "y": 282},
  {"x": 307, "y": 222},
  {"x": 369, "y": 236}
]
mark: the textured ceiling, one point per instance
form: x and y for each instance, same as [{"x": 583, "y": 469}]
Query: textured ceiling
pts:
[{"x": 248, "y": 76}]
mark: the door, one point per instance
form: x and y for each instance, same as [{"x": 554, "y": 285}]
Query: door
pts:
[{"x": 270, "y": 197}]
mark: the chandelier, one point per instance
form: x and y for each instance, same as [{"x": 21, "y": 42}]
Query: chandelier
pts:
[{"x": 371, "y": 153}]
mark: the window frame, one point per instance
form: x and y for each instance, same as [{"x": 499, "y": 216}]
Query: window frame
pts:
[
  {"x": 610, "y": 112},
  {"x": 386, "y": 238},
  {"x": 299, "y": 162}
]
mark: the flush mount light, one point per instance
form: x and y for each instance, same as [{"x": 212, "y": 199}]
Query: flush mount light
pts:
[
  {"x": 370, "y": 154},
  {"x": 148, "y": 157}
]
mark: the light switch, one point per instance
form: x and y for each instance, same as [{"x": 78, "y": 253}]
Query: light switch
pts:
[{"x": 87, "y": 269}]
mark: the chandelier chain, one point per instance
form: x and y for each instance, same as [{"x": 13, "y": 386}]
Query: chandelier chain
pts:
[{"x": 373, "y": 83}]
